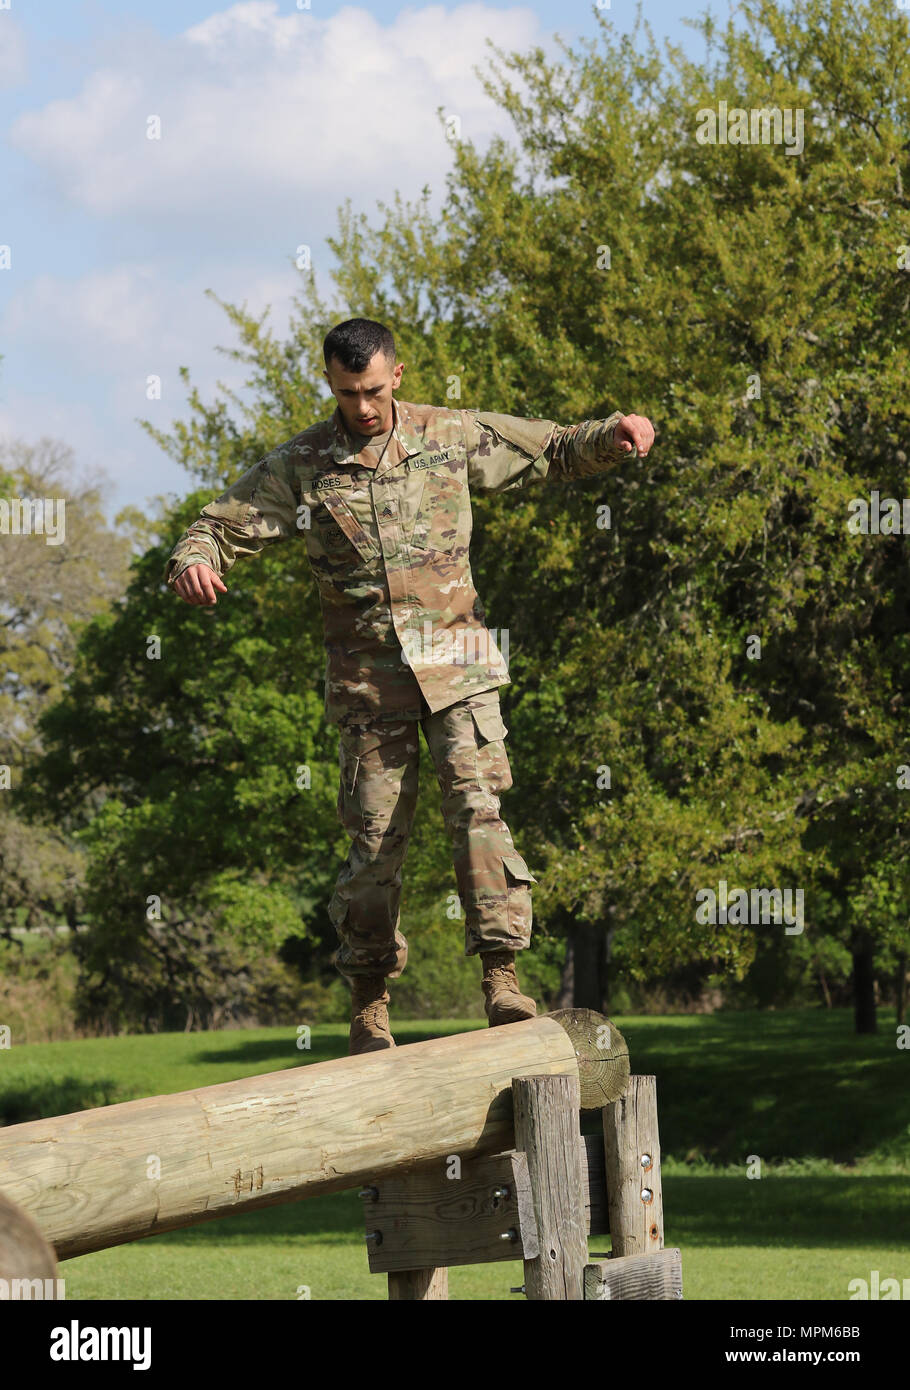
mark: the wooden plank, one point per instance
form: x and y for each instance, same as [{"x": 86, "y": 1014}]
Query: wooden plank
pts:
[
  {"x": 640, "y": 1277},
  {"x": 632, "y": 1164},
  {"x": 422, "y": 1216},
  {"x": 419, "y": 1285},
  {"x": 546, "y": 1131},
  {"x": 426, "y": 1218},
  {"x": 120, "y": 1172}
]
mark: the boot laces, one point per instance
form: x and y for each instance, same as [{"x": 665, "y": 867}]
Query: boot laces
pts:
[{"x": 373, "y": 1013}]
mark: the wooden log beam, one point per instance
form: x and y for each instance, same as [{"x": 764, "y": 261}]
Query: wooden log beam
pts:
[
  {"x": 121, "y": 1172},
  {"x": 25, "y": 1256}
]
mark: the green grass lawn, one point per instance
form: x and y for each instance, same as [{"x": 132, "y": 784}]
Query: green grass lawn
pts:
[{"x": 827, "y": 1113}]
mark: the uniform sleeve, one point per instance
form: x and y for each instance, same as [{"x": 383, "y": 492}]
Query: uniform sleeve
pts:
[
  {"x": 257, "y": 510},
  {"x": 508, "y": 451}
]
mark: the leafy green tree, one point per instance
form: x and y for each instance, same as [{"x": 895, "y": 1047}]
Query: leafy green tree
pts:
[
  {"x": 728, "y": 647},
  {"x": 709, "y": 666},
  {"x": 52, "y": 583},
  {"x": 190, "y": 754}
]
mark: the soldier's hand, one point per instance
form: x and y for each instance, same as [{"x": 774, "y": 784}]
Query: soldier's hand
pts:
[
  {"x": 197, "y": 584},
  {"x": 633, "y": 432}
]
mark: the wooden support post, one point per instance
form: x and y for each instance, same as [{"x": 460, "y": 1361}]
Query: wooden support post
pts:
[
  {"x": 632, "y": 1165},
  {"x": 546, "y": 1112},
  {"x": 418, "y": 1285}
]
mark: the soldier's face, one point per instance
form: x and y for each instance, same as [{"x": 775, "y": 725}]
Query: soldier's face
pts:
[{"x": 365, "y": 398}]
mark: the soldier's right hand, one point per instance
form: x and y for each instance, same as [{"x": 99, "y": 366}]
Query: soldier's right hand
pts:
[{"x": 197, "y": 584}]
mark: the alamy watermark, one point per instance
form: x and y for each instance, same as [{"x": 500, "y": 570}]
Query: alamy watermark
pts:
[
  {"x": 34, "y": 516},
  {"x": 760, "y": 125},
  {"x": 878, "y": 517},
  {"x": 757, "y": 907},
  {"x": 24, "y": 1290},
  {"x": 458, "y": 646}
]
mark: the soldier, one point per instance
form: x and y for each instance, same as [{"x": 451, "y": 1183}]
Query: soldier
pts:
[{"x": 381, "y": 493}]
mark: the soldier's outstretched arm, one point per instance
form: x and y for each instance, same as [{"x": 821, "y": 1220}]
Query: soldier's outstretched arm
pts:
[
  {"x": 509, "y": 451},
  {"x": 257, "y": 510}
]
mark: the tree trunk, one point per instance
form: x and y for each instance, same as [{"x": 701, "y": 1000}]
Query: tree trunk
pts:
[
  {"x": 863, "y": 984},
  {"x": 826, "y": 993},
  {"x": 566, "y": 992},
  {"x": 901, "y": 986},
  {"x": 583, "y": 983},
  {"x": 608, "y": 958}
]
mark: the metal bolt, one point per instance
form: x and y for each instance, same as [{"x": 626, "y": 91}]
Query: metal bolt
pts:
[
  {"x": 370, "y": 1194},
  {"x": 500, "y": 1192},
  {"x": 646, "y": 1194},
  {"x": 375, "y": 1236},
  {"x": 520, "y": 1289},
  {"x": 645, "y": 1160},
  {"x": 510, "y": 1234}
]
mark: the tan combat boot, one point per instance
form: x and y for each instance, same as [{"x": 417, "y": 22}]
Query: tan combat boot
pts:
[
  {"x": 503, "y": 1000},
  {"x": 369, "y": 1015}
]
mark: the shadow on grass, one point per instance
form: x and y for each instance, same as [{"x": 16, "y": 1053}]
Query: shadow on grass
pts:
[
  {"x": 788, "y": 1084},
  {"x": 788, "y": 1211},
  {"x": 60, "y": 1096},
  {"x": 775, "y": 1212},
  {"x": 328, "y": 1041}
]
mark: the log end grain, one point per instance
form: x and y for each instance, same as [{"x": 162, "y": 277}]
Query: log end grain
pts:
[
  {"x": 602, "y": 1052},
  {"x": 24, "y": 1253}
]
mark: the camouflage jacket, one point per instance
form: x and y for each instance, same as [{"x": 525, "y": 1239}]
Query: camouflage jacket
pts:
[{"x": 389, "y": 544}]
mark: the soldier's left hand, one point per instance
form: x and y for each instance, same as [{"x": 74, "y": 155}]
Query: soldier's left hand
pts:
[{"x": 633, "y": 432}]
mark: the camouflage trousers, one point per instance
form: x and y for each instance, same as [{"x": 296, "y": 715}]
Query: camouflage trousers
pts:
[{"x": 377, "y": 798}]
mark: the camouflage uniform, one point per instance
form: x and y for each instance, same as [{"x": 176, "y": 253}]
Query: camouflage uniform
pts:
[{"x": 387, "y": 531}]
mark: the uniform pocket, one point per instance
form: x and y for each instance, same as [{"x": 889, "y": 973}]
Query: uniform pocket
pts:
[
  {"x": 230, "y": 509},
  {"x": 488, "y": 723},
  {"x": 355, "y": 743},
  {"x": 491, "y": 761},
  {"x": 517, "y": 871},
  {"x": 518, "y": 882},
  {"x": 350, "y": 524},
  {"x": 349, "y": 766},
  {"x": 438, "y": 519}
]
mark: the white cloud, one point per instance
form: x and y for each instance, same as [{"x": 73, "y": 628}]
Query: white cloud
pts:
[
  {"x": 132, "y": 319},
  {"x": 102, "y": 335},
  {"x": 268, "y": 123},
  {"x": 263, "y": 113},
  {"x": 13, "y": 62}
]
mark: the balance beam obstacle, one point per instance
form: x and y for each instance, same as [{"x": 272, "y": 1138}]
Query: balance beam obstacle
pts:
[{"x": 118, "y": 1173}]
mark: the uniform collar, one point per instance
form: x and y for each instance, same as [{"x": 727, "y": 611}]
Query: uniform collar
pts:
[{"x": 404, "y": 442}]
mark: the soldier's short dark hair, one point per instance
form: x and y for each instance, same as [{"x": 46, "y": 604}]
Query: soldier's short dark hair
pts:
[{"x": 355, "y": 343}]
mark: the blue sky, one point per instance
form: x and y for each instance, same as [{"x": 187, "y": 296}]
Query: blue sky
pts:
[{"x": 114, "y": 237}]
